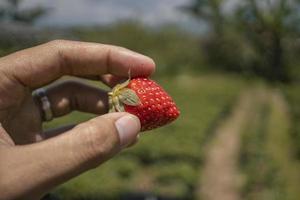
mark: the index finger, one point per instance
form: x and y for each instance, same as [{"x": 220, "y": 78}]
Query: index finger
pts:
[{"x": 43, "y": 64}]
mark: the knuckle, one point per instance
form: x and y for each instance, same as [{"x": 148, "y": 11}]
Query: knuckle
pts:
[
  {"x": 60, "y": 50},
  {"x": 111, "y": 50},
  {"x": 114, "y": 48},
  {"x": 118, "y": 47},
  {"x": 57, "y": 42}
]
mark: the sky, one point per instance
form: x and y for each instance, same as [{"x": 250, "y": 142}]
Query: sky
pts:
[{"x": 90, "y": 12}]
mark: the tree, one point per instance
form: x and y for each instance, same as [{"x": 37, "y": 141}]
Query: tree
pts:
[
  {"x": 268, "y": 27},
  {"x": 256, "y": 33},
  {"x": 209, "y": 11},
  {"x": 11, "y": 11},
  {"x": 218, "y": 44}
]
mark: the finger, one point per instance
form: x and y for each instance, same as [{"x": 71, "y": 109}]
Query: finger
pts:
[
  {"x": 107, "y": 79},
  {"x": 57, "y": 131},
  {"x": 41, "y": 166},
  {"x": 112, "y": 80},
  {"x": 5, "y": 139},
  {"x": 68, "y": 96},
  {"x": 40, "y": 65}
]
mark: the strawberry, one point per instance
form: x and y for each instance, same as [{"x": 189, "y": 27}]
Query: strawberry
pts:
[{"x": 145, "y": 99}]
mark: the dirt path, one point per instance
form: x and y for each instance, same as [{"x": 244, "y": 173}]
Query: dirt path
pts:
[{"x": 219, "y": 177}]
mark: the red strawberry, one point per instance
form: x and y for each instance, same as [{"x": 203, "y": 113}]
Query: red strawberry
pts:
[{"x": 145, "y": 99}]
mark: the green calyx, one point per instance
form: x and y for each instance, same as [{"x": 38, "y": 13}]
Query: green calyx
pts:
[{"x": 121, "y": 96}]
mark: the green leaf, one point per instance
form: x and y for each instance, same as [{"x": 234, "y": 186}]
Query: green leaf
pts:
[
  {"x": 119, "y": 107},
  {"x": 129, "y": 97}
]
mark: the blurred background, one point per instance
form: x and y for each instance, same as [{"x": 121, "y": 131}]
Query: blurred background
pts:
[{"x": 231, "y": 66}]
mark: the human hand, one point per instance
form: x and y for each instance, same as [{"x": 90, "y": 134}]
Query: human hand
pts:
[{"x": 30, "y": 165}]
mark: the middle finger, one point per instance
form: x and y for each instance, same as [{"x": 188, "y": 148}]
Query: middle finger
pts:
[{"x": 72, "y": 95}]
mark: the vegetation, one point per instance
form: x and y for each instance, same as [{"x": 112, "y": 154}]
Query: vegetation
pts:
[
  {"x": 166, "y": 161},
  {"x": 260, "y": 33},
  {"x": 258, "y": 166},
  {"x": 267, "y": 163},
  {"x": 293, "y": 97},
  {"x": 251, "y": 39},
  {"x": 279, "y": 148}
]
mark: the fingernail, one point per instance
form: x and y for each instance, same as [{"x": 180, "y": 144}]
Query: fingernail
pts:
[{"x": 128, "y": 128}]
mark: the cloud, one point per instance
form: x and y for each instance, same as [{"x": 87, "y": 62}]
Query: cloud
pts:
[{"x": 88, "y": 12}]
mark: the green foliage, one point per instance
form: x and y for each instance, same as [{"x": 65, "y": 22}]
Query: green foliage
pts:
[
  {"x": 108, "y": 183},
  {"x": 209, "y": 10},
  {"x": 255, "y": 37},
  {"x": 293, "y": 97},
  {"x": 257, "y": 165},
  {"x": 279, "y": 147},
  {"x": 270, "y": 169}
]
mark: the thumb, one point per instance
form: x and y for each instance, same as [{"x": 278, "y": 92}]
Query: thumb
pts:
[
  {"x": 104, "y": 136},
  {"x": 44, "y": 165}
]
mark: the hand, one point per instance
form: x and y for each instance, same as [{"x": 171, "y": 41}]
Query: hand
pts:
[{"x": 30, "y": 165}]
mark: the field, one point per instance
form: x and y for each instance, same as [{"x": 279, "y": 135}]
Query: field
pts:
[
  {"x": 169, "y": 162},
  {"x": 269, "y": 166},
  {"x": 237, "y": 136},
  {"x": 293, "y": 96},
  {"x": 166, "y": 162}
]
